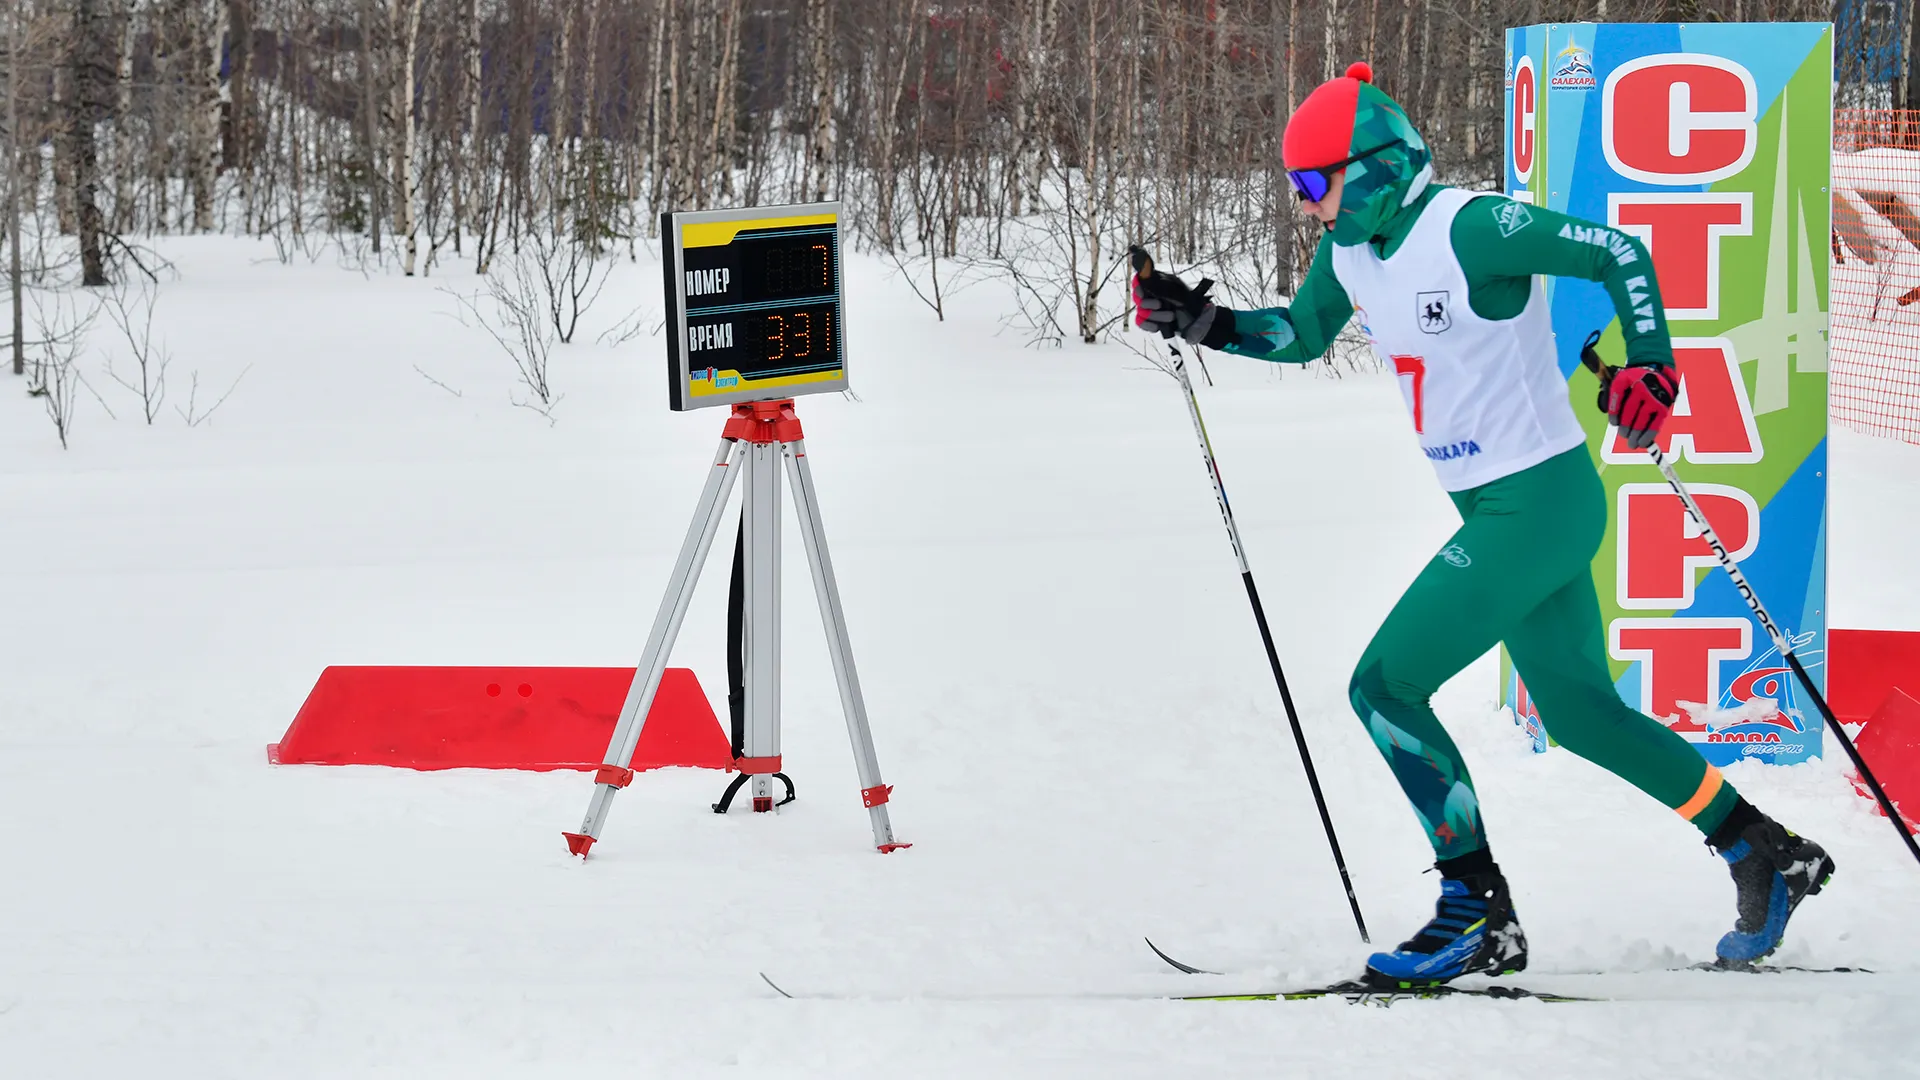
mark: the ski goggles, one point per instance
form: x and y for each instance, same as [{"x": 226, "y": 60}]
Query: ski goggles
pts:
[{"x": 1312, "y": 185}]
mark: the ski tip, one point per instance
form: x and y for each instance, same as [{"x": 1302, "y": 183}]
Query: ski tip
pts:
[
  {"x": 1188, "y": 968},
  {"x": 775, "y": 985}
]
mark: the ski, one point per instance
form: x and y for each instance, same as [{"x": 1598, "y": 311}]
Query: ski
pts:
[
  {"x": 1353, "y": 992},
  {"x": 1711, "y": 965},
  {"x": 1358, "y": 992},
  {"x": 1771, "y": 969}
]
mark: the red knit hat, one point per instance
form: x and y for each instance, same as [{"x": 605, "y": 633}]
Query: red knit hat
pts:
[{"x": 1320, "y": 132}]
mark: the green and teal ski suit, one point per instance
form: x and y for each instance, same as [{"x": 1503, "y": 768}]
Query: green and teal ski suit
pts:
[{"x": 1519, "y": 570}]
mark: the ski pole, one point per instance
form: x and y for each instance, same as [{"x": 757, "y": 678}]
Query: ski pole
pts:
[
  {"x": 1605, "y": 371},
  {"x": 1143, "y": 264}
]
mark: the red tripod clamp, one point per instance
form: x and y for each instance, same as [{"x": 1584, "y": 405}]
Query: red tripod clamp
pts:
[{"x": 763, "y": 422}]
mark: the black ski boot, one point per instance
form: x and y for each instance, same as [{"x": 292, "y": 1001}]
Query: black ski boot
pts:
[
  {"x": 1773, "y": 870},
  {"x": 1473, "y": 930}
]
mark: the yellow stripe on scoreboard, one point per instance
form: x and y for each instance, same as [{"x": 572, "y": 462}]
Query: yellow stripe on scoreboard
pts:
[{"x": 721, "y": 233}]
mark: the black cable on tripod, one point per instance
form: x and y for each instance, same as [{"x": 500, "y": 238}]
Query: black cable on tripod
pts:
[{"x": 737, "y": 670}]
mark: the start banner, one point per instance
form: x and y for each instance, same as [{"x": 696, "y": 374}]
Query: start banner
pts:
[{"x": 1712, "y": 143}]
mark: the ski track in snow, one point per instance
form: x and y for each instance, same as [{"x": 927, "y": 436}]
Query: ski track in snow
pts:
[{"x": 1065, "y": 687}]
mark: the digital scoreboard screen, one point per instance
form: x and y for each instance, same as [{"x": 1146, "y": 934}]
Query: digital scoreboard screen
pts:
[{"x": 753, "y": 304}]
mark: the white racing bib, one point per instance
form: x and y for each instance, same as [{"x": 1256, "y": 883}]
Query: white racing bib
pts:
[{"x": 1487, "y": 397}]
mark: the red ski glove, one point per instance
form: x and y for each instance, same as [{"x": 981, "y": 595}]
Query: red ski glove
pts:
[{"x": 1638, "y": 400}]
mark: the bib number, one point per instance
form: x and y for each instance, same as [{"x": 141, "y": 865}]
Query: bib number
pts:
[{"x": 1414, "y": 369}]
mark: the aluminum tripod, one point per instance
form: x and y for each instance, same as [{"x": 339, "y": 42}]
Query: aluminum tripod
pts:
[{"x": 756, "y": 437}]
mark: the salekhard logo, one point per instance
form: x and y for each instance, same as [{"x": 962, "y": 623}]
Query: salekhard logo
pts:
[{"x": 1575, "y": 71}]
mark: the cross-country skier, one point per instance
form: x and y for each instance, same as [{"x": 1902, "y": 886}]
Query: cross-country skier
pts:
[{"x": 1444, "y": 283}]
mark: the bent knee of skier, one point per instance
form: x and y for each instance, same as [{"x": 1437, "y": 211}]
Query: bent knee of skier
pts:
[{"x": 1378, "y": 699}]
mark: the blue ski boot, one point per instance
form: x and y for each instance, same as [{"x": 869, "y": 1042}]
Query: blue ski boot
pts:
[
  {"x": 1473, "y": 930},
  {"x": 1773, "y": 870}
]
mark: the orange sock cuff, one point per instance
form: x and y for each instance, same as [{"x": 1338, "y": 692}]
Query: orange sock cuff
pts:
[{"x": 1710, "y": 785}]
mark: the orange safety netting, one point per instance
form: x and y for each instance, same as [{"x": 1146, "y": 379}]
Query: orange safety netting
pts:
[{"x": 1874, "y": 317}]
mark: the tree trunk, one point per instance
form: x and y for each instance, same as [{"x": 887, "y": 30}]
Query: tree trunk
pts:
[
  {"x": 720, "y": 139},
  {"x": 820, "y": 155},
  {"x": 474, "y": 177},
  {"x": 1471, "y": 142},
  {"x": 517, "y": 143},
  {"x": 66, "y": 212},
  {"x": 1402, "y": 78},
  {"x": 122, "y": 125},
  {"x": 656, "y": 102},
  {"x": 589, "y": 127},
  {"x": 1134, "y": 163},
  {"x": 370, "y": 124},
  {"x": 888, "y": 180},
  {"x": 1330, "y": 56},
  {"x": 87, "y": 58},
  {"x": 1436, "y": 46},
  {"x": 560, "y": 110},
  {"x": 296, "y": 139},
  {"x": 16, "y": 284},
  {"x": 1049, "y": 22},
  {"x": 1023, "y": 110},
  {"x": 205, "y": 126},
  {"x": 1089, "y": 166},
  {"x": 1373, "y": 32},
  {"x": 675, "y": 182},
  {"x": 235, "y": 150},
  {"x": 160, "y": 158},
  {"x": 406, "y": 149}
]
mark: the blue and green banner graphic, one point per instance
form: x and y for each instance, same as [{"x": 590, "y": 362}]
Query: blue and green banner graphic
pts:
[{"x": 1712, "y": 143}]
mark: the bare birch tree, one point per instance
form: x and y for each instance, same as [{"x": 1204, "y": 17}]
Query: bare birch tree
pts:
[{"x": 406, "y": 21}]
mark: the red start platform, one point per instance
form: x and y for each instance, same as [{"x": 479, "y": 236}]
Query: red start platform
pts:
[{"x": 497, "y": 718}]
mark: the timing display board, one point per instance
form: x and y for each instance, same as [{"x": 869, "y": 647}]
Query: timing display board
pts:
[{"x": 753, "y": 304}]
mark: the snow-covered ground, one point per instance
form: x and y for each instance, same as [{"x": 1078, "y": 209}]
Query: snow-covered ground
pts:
[{"x": 1065, "y": 685}]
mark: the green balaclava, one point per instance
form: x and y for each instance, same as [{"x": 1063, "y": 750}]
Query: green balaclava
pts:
[{"x": 1348, "y": 116}]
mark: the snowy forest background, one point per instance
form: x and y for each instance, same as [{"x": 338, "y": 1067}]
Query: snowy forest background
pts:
[{"x": 531, "y": 142}]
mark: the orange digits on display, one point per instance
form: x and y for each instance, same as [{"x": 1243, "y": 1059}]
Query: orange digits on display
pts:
[
  {"x": 776, "y": 336},
  {"x": 804, "y": 319}
]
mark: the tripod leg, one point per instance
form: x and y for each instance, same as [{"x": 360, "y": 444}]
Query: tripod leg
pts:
[
  {"x": 736, "y": 652},
  {"x": 761, "y": 630},
  {"x": 614, "y": 773},
  {"x": 873, "y": 791}
]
